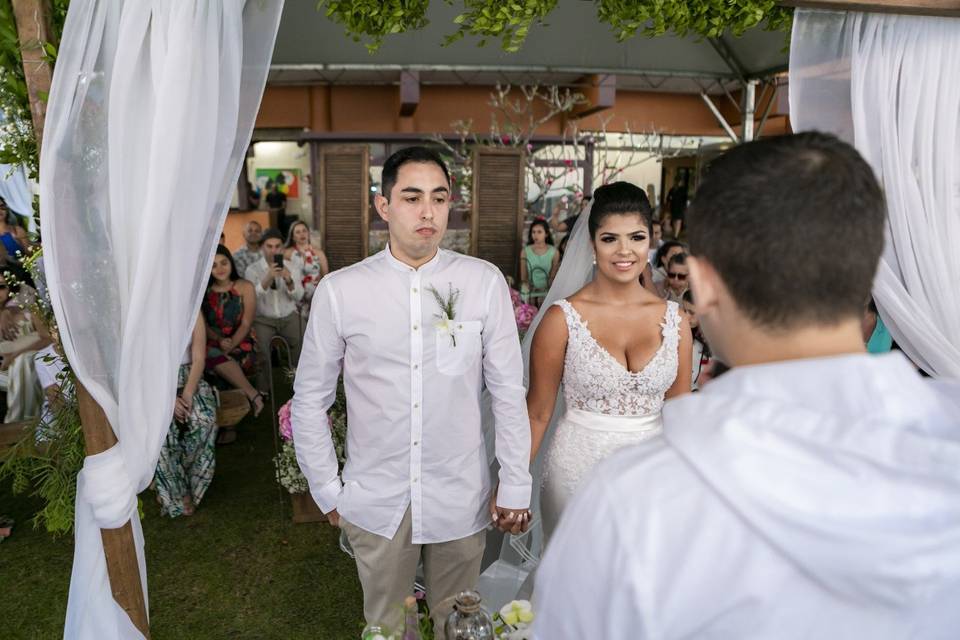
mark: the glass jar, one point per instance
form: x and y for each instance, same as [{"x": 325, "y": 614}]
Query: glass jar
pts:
[
  {"x": 374, "y": 632},
  {"x": 469, "y": 621}
]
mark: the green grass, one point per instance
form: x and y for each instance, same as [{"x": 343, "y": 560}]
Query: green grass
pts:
[{"x": 235, "y": 569}]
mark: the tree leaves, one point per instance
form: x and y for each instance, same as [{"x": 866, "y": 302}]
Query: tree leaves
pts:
[{"x": 510, "y": 20}]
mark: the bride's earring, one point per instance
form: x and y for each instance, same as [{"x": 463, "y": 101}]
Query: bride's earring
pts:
[{"x": 594, "y": 259}]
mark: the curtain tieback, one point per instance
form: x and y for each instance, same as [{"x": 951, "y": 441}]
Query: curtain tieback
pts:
[{"x": 108, "y": 489}]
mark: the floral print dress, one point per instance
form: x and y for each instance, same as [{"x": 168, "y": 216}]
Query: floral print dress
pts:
[{"x": 223, "y": 310}]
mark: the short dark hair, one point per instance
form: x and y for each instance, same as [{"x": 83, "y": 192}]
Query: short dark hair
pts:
[
  {"x": 794, "y": 226},
  {"x": 680, "y": 258},
  {"x": 664, "y": 249},
  {"x": 539, "y": 222},
  {"x": 618, "y": 198},
  {"x": 271, "y": 234},
  {"x": 234, "y": 274},
  {"x": 391, "y": 168}
]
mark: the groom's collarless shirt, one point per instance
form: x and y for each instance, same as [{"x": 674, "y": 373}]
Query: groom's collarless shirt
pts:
[{"x": 413, "y": 388}]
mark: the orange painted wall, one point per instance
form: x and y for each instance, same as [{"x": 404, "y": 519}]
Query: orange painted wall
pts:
[
  {"x": 236, "y": 221},
  {"x": 375, "y": 109}
]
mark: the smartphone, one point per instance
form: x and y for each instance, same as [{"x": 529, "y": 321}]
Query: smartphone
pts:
[{"x": 278, "y": 259}]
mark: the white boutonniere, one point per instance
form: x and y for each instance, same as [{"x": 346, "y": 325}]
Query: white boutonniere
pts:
[{"x": 448, "y": 311}]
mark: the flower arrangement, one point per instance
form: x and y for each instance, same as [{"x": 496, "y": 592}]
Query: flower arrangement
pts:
[
  {"x": 523, "y": 312},
  {"x": 514, "y": 621},
  {"x": 288, "y": 470}
]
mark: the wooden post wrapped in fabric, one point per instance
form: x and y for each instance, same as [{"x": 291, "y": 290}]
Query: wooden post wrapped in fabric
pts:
[
  {"x": 342, "y": 201},
  {"x": 305, "y": 509},
  {"x": 497, "y": 218}
]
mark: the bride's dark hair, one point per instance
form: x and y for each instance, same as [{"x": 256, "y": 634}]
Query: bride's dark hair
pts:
[{"x": 619, "y": 198}]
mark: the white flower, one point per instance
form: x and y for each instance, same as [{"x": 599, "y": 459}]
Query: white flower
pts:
[{"x": 445, "y": 326}]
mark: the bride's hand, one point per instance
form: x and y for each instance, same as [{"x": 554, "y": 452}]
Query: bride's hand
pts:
[{"x": 514, "y": 521}]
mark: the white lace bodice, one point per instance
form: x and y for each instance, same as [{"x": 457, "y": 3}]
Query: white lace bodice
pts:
[{"x": 593, "y": 380}]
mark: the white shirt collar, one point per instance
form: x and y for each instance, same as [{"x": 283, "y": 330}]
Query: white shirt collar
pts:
[{"x": 403, "y": 266}]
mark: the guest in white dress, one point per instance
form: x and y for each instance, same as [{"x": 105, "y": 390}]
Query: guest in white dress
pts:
[
  {"x": 614, "y": 346},
  {"x": 812, "y": 491}
]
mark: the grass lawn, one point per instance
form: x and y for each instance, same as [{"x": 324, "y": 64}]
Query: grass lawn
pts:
[{"x": 236, "y": 569}]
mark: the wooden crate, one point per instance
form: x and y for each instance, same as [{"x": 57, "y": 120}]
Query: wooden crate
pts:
[
  {"x": 305, "y": 509},
  {"x": 233, "y": 407}
]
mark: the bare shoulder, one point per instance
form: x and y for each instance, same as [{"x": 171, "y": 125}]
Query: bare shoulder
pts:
[
  {"x": 244, "y": 286},
  {"x": 553, "y": 327}
]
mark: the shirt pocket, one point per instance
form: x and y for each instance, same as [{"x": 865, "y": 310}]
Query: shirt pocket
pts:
[{"x": 457, "y": 354}]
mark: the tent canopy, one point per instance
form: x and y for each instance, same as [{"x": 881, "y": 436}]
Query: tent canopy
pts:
[{"x": 311, "y": 49}]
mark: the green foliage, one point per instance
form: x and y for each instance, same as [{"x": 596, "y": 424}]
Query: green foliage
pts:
[
  {"x": 510, "y": 20},
  {"x": 705, "y": 18},
  {"x": 18, "y": 144},
  {"x": 375, "y": 19},
  {"x": 49, "y": 470}
]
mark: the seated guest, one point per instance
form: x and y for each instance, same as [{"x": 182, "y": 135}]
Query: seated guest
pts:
[
  {"x": 27, "y": 336},
  {"x": 279, "y": 288},
  {"x": 14, "y": 242},
  {"x": 701, "y": 351},
  {"x": 666, "y": 251},
  {"x": 187, "y": 457},
  {"x": 250, "y": 251},
  {"x": 678, "y": 273},
  {"x": 311, "y": 260},
  {"x": 229, "y": 308},
  {"x": 810, "y": 492}
]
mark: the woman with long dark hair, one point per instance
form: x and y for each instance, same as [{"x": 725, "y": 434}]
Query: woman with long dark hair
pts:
[
  {"x": 229, "y": 308},
  {"x": 539, "y": 262}
]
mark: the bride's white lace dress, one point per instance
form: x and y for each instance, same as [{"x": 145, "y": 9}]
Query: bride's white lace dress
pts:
[{"x": 607, "y": 407}]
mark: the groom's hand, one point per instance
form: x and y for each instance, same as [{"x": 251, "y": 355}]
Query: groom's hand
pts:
[
  {"x": 513, "y": 521},
  {"x": 333, "y": 518}
]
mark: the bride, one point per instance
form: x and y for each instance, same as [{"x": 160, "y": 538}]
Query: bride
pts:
[{"x": 613, "y": 345}]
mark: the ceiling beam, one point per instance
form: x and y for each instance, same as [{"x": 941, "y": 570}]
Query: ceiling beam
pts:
[
  {"x": 409, "y": 92},
  {"x": 944, "y": 8},
  {"x": 601, "y": 94},
  {"x": 723, "y": 49}
]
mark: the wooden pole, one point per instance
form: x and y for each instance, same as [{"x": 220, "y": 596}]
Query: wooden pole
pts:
[{"x": 33, "y": 29}]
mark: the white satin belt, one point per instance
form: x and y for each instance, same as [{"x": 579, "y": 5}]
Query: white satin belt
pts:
[{"x": 651, "y": 422}]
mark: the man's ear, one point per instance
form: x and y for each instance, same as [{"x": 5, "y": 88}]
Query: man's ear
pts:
[
  {"x": 381, "y": 204},
  {"x": 705, "y": 284}
]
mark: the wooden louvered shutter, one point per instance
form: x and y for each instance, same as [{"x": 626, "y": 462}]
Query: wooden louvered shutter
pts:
[
  {"x": 497, "y": 217},
  {"x": 343, "y": 202}
]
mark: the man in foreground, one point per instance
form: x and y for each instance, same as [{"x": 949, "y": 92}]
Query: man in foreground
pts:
[{"x": 811, "y": 492}]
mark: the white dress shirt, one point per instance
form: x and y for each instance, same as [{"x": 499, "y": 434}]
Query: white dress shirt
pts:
[
  {"x": 808, "y": 499},
  {"x": 413, "y": 396},
  {"x": 279, "y": 302}
]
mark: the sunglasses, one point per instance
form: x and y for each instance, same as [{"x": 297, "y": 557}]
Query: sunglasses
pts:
[{"x": 678, "y": 276}]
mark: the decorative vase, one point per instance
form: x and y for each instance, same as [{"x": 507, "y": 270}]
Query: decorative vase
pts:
[
  {"x": 305, "y": 509},
  {"x": 468, "y": 621}
]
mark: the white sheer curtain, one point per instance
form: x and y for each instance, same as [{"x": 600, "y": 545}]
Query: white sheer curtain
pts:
[
  {"x": 150, "y": 114},
  {"x": 888, "y": 84}
]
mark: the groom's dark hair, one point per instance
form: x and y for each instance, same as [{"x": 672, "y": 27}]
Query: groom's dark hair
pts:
[
  {"x": 399, "y": 158},
  {"x": 794, "y": 226}
]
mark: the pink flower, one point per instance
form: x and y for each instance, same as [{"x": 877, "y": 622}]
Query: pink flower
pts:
[
  {"x": 525, "y": 314},
  {"x": 283, "y": 417},
  {"x": 515, "y": 298}
]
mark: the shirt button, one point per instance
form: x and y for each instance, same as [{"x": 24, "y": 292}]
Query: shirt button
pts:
[
  {"x": 415, "y": 327},
  {"x": 416, "y": 366},
  {"x": 416, "y": 405},
  {"x": 416, "y": 443},
  {"x": 415, "y": 480},
  {"x": 414, "y": 289}
]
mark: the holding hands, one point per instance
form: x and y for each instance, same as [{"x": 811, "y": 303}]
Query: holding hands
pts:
[{"x": 514, "y": 521}]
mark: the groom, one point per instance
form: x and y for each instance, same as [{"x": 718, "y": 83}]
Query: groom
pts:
[
  {"x": 813, "y": 491},
  {"x": 417, "y": 331}
]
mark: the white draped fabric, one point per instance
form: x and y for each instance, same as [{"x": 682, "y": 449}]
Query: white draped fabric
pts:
[
  {"x": 150, "y": 115},
  {"x": 888, "y": 85}
]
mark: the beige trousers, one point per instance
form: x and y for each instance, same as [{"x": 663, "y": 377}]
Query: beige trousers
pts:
[{"x": 387, "y": 569}]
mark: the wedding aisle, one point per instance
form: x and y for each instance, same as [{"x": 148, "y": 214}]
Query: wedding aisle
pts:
[{"x": 232, "y": 570}]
